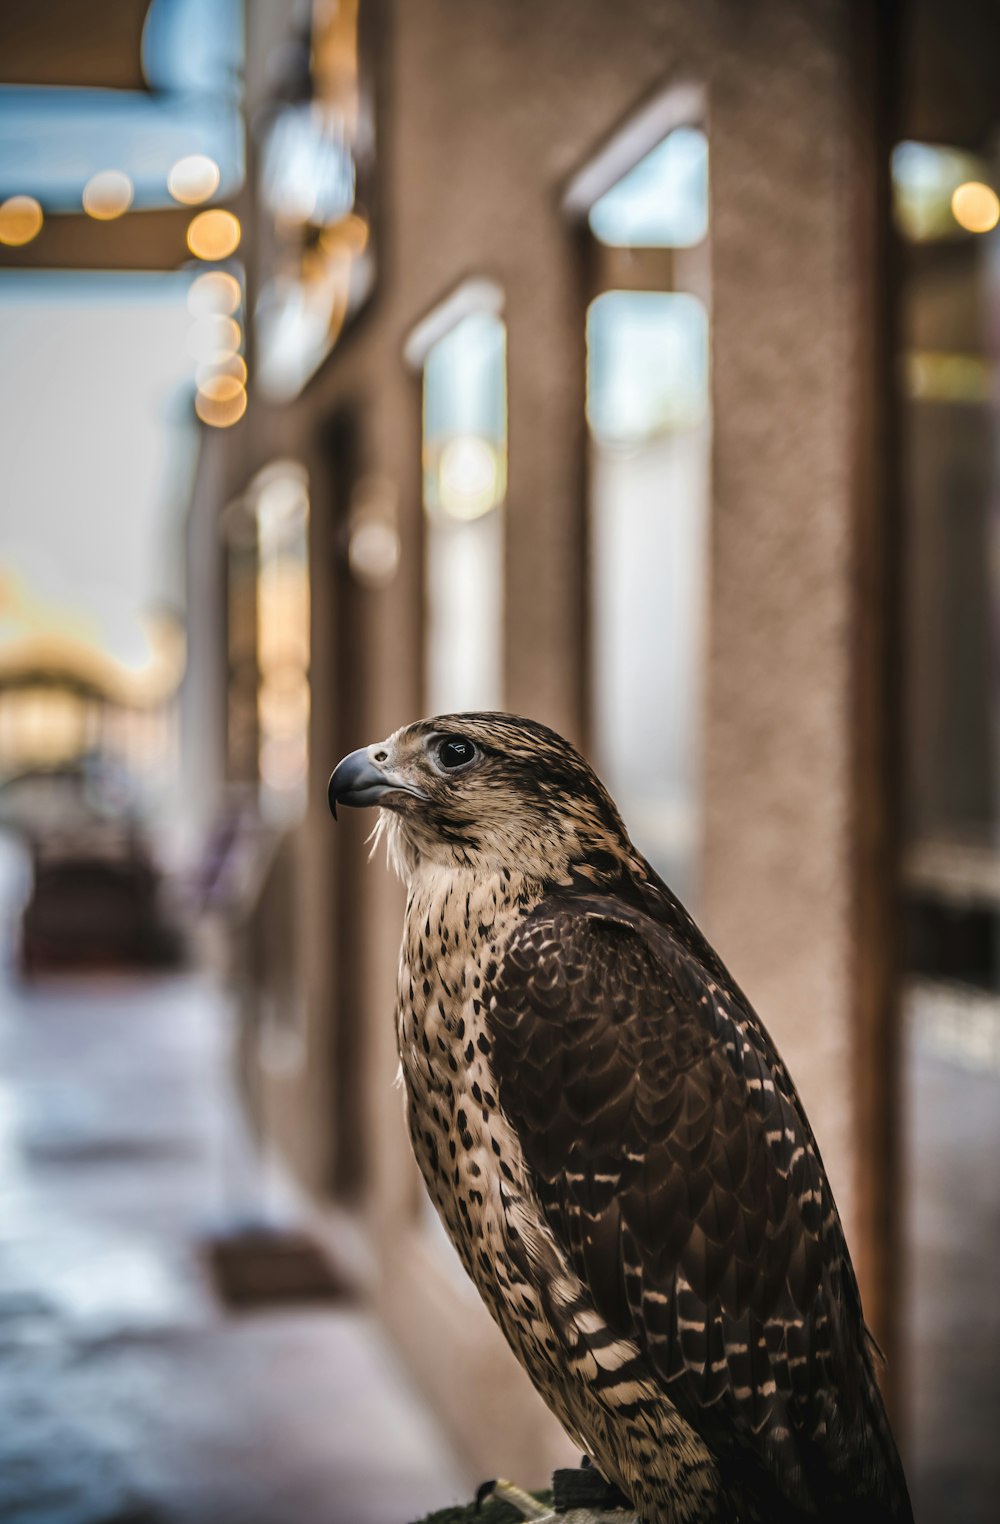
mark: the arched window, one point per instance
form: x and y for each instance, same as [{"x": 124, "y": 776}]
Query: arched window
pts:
[
  {"x": 461, "y": 352},
  {"x": 642, "y": 204}
]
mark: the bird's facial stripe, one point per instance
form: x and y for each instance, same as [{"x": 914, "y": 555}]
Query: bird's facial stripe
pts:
[{"x": 502, "y": 792}]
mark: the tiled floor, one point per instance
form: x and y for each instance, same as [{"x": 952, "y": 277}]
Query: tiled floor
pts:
[{"x": 126, "y": 1393}]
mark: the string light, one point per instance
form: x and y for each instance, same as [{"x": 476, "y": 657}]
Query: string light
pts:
[
  {"x": 214, "y": 234},
  {"x": 20, "y": 220}
]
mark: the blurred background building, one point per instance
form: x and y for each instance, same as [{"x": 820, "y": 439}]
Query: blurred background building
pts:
[{"x": 629, "y": 366}]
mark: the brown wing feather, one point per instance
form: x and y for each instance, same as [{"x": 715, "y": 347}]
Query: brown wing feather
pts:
[{"x": 674, "y": 1162}]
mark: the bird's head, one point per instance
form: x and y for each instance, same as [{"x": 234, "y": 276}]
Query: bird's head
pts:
[{"x": 487, "y": 792}]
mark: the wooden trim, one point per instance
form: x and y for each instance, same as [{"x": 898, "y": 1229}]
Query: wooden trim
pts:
[
  {"x": 339, "y": 448},
  {"x": 679, "y": 104},
  {"x": 475, "y": 294},
  {"x": 876, "y": 668}
]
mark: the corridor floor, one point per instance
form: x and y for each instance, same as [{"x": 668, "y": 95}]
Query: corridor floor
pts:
[{"x": 127, "y": 1394}]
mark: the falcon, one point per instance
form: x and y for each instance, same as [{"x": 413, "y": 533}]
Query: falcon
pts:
[{"x": 614, "y": 1145}]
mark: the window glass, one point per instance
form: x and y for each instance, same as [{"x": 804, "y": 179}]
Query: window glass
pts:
[
  {"x": 946, "y": 285},
  {"x": 647, "y": 365},
  {"x": 465, "y": 419},
  {"x": 663, "y": 201},
  {"x": 317, "y": 239},
  {"x": 465, "y": 482},
  {"x": 941, "y": 192},
  {"x": 648, "y": 416},
  {"x": 282, "y": 510}
]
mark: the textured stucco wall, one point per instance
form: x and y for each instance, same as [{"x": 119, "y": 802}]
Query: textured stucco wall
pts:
[
  {"x": 486, "y": 110},
  {"x": 778, "y": 739},
  {"x": 490, "y": 108}
]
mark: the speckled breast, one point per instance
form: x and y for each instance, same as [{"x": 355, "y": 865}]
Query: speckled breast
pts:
[
  {"x": 467, "y": 1152},
  {"x": 452, "y": 944},
  {"x": 471, "y": 1160}
]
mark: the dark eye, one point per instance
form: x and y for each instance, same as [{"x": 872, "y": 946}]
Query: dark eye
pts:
[{"x": 455, "y": 752}]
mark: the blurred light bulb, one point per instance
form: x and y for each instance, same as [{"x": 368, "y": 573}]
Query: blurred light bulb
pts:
[
  {"x": 193, "y": 179},
  {"x": 349, "y": 235},
  {"x": 975, "y": 207},
  {"x": 283, "y": 762},
  {"x": 283, "y": 703},
  {"x": 233, "y": 367},
  {"x": 468, "y": 477},
  {"x": 220, "y": 415},
  {"x": 108, "y": 195},
  {"x": 282, "y": 496},
  {"x": 214, "y": 234},
  {"x": 214, "y": 338},
  {"x": 215, "y": 291},
  {"x": 373, "y": 552},
  {"x": 218, "y": 387},
  {"x": 20, "y": 220}
]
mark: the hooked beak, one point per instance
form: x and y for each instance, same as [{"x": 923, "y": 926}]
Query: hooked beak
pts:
[{"x": 358, "y": 781}]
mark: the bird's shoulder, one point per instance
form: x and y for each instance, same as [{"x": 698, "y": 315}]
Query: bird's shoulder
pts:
[
  {"x": 676, "y": 1166},
  {"x": 641, "y": 1022},
  {"x": 639, "y": 971}
]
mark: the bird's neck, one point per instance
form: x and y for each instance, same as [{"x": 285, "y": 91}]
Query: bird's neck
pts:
[
  {"x": 552, "y": 849},
  {"x": 469, "y": 899}
]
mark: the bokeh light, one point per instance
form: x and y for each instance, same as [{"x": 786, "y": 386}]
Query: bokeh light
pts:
[
  {"x": 925, "y": 179},
  {"x": 234, "y": 367},
  {"x": 220, "y": 387},
  {"x": 215, "y": 291},
  {"x": 218, "y": 414},
  {"x": 108, "y": 195},
  {"x": 975, "y": 207},
  {"x": 21, "y": 220},
  {"x": 349, "y": 235},
  {"x": 193, "y": 179},
  {"x": 465, "y": 419},
  {"x": 214, "y": 338},
  {"x": 284, "y": 761},
  {"x": 283, "y": 615},
  {"x": 42, "y": 726},
  {"x": 282, "y": 499},
  {"x": 373, "y": 552},
  {"x": 468, "y": 477},
  {"x": 283, "y": 702},
  {"x": 214, "y": 235}
]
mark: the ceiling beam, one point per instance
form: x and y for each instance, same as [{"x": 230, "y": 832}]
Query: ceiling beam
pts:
[
  {"x": 144, "y": 240},
  {"x": 68, "y": 42}
]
